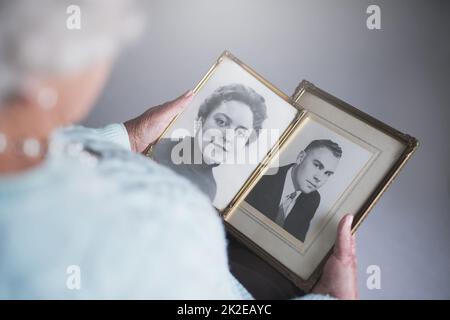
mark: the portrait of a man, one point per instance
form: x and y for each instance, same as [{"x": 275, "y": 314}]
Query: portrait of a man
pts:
[{"x": 290, "y": 197}]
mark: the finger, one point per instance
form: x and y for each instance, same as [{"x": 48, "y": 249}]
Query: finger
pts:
[
  {"x": 343, "y": 248},
  {"x": 187, "y": 94},
  {"x": 183, "y": 99},
  {"x": 174, "y": 107},
  {"x": 354, "y": 244}
]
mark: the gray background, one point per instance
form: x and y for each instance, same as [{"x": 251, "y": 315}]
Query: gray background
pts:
[{"x": 398, "y": 74}]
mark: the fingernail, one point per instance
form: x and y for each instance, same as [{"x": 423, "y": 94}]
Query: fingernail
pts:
[
  {"x": 349, "y": 221},
  {"x": 189, "y": 93}
]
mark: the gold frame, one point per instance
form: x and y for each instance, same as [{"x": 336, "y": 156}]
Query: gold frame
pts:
[
  {"x": 411, "y": 144},
  {"x": 260, "y": 168},
  {"x": 408, "y": 141}
]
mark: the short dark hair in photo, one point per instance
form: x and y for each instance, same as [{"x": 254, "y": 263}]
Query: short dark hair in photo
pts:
[{"x": 330, "y": 145}]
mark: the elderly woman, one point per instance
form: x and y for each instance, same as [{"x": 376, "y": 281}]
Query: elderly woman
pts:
[{"x": 82, "y": 213}]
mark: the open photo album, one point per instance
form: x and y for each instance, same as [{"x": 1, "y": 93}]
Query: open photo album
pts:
[{"x": 281, "y": 170}]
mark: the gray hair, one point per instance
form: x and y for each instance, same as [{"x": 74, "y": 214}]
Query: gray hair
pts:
[{"x": 35, "y": 39}]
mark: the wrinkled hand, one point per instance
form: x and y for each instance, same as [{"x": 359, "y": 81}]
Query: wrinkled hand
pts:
[
  {"x": 146, "y": 128},
  {"x": 339, "y": 278}
]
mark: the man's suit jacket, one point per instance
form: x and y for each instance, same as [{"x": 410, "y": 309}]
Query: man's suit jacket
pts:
[{"x": 266, "y": 197}]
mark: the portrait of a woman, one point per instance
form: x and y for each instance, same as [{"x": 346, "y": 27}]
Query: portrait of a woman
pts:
[{"x": 227, "y": 121}]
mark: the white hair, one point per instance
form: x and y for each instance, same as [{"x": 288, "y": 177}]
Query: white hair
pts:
[{"x": 35, "y": 38}]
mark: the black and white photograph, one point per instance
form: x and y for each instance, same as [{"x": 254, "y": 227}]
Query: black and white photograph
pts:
[
  {"x": 231, "y": 124},
  {"x": 315, "y": 169}
]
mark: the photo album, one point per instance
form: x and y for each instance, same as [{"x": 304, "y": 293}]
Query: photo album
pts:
[{"x": 281, "y": 170}]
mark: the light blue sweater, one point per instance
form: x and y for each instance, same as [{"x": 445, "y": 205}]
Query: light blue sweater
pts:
[{"x": 130, "y": 227}]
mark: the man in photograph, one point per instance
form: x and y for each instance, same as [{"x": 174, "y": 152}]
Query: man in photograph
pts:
[{"x": 290, "y": 197}]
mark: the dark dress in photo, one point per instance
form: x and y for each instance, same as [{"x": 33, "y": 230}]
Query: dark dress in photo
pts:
[{"x": 198, "y": 172}]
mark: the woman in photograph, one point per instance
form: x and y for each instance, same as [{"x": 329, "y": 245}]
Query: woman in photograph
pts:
[{"x": 227, "y": 121}]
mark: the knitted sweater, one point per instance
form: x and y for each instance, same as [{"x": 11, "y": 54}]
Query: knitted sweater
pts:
[{"x": 96, "y": 221}]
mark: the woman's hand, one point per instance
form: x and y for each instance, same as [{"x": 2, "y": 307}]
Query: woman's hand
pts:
[
  {"x": 146, "y": 128},
  {"x": 339, "y": 278}
]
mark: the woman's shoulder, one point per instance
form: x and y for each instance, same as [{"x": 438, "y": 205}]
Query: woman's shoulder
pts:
[{"x": 117, "y": 204}]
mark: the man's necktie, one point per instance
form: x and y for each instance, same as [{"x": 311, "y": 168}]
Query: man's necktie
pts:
[{"x": 280, "y": 218}]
